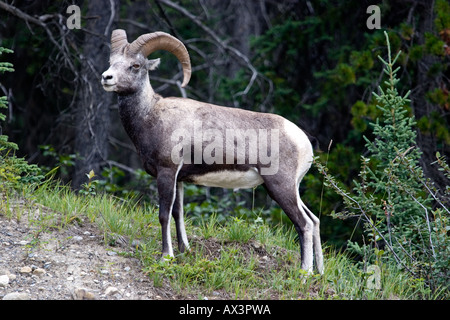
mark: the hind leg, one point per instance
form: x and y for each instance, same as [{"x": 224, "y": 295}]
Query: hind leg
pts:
[
  {"x": 285, "y": 192},
  {"x": 317, "y": 245}
]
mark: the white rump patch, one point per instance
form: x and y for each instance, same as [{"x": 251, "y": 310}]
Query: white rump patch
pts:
[
  {"x": 230, "y": 179},
  {"x": 304, "y": 152}
]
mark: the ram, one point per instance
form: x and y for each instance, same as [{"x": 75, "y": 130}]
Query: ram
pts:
[{"x": 183, "y": 140}]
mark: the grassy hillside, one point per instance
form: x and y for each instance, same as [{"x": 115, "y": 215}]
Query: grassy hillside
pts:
[{"x": 232, "y": 260}]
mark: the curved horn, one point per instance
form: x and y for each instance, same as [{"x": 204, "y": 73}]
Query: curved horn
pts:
[
  {"x": 118, "y": 40},
  {"x": 151, "y": 42}
]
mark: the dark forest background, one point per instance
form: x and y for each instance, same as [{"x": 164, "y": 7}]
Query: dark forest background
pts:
[{"x": 313, "y": 62}]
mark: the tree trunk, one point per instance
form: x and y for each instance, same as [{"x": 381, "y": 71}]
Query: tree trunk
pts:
[
  {"x": 239, "y": 20},
  {"x": 93, "y": 114},
  {"x": 422, "y": 107}
]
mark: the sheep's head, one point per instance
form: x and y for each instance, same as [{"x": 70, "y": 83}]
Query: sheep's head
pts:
[{"x": 129, "y": 66}]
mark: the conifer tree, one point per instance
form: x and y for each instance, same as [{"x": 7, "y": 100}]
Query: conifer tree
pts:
[
  {"x": 393, "y": 150},
  {"x": 14, "y": 172},
  {"x": 5, "y": 67}
]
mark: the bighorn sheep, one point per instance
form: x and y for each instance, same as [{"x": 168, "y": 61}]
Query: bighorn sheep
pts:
[{"x": 183, "y": 140}]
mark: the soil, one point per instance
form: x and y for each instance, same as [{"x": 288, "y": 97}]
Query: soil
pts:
[{"x": 69, "y": 263}]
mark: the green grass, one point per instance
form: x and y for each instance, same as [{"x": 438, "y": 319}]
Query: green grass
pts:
[{"x": 235, "y": 259}]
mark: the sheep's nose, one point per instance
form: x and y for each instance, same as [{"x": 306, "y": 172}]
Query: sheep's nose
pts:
[{"x": 107, "y": 76}]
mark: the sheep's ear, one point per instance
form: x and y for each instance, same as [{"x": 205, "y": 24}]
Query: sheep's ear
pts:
[{"x": 153, "y": 64}]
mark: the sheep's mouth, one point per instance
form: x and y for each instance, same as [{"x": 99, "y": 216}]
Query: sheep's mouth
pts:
[{"x": 108, "y": 86}]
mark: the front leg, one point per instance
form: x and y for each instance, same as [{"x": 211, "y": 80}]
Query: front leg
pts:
[
  {"x": 178, "y": 215},
  {"x": 166, "y": 182}
]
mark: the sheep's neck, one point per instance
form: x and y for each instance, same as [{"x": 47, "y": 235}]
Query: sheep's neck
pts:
[{"x": 135, "y": 109}]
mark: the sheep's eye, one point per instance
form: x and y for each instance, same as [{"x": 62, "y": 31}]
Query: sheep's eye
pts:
[{"x": 136, "y": 66}]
